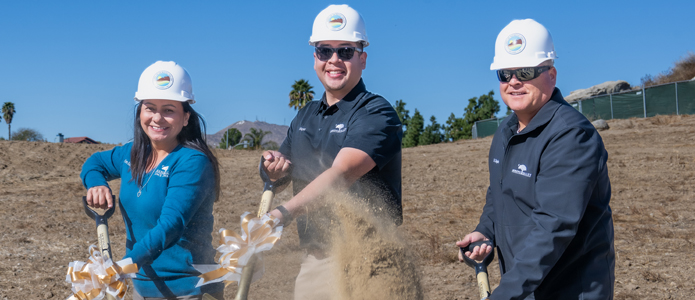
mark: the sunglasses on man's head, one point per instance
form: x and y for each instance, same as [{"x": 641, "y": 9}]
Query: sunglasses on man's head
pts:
[
  {"x": 344, "y": 53},
  {"x": 523, "y": 74}
]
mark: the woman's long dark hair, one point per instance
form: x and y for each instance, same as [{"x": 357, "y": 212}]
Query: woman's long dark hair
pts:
[{"x": 191, "y": 136}]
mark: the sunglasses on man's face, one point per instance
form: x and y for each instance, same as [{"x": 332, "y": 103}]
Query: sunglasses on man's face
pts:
[
  {"x": 344, "y": 53},
  {"x": 523, "y": 74}
]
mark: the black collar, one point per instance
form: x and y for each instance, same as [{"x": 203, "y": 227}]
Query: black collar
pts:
[
  {"x": 348, "y": 102},
  {"x": 544, "y": 115}
]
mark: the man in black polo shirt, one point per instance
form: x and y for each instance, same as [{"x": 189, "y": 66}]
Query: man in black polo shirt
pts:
[{"x": 350, "y": 140}]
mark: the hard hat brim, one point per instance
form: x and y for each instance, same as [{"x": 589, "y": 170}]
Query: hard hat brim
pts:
[{"x": 140, "y": 96}]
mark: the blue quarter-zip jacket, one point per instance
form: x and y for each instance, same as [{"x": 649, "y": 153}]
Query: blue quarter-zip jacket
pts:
[
  {"x": 169, "y": 226},
  {"x": 547, "y": 209}
]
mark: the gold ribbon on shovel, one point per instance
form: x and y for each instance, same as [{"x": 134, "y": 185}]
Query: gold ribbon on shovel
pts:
[
  {"x": 257, "y": 235},
  {"x": 99, "y": 276}
]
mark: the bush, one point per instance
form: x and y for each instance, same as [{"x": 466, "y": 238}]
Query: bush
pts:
[
  {"x": 27, "y": 134},
  {"x": 683, "y": 69}
]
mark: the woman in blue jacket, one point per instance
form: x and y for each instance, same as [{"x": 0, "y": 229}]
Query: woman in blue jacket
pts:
[{"x": 169, "y": 182}]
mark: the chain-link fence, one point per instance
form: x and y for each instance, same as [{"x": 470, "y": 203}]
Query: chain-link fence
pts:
[
  {"x": 672, "y": 98},
  {"x": 667, "y": 99}
]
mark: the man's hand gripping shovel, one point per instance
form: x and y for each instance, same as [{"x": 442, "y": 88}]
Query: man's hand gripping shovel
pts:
[
  {"x": 266, "y": 202},
  {"x": 102, "y": 229},
  {"x": 480, "y": 267}
]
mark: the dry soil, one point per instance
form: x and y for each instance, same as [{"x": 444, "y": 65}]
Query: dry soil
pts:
[{"x": 651, "y": 165}]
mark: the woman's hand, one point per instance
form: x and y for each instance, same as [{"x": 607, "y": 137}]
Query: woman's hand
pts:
[{"x": 100, "y": 197}]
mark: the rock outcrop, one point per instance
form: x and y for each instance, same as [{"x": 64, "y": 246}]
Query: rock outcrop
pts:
[
  {"x": 600, "y": 124},
  {"x": 607, "y": 87}
]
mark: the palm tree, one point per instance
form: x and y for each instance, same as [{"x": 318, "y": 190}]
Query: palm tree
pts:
[
  {"x": 8, "y": 112},
  {"x": 301, "y": 94},
  {"x": 255, "y": 137}
]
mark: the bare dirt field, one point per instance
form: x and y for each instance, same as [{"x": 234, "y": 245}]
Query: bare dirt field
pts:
[{"x": 651, "y": 163}]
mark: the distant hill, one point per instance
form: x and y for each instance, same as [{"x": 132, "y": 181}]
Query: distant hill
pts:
[{"x": 277, "y": 132}]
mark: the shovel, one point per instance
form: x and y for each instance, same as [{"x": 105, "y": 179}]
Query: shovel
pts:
[
  {"x": 480, "y": 267},
  {"x": 102, "y": 229},
  {"x": 264, "y": 207}
]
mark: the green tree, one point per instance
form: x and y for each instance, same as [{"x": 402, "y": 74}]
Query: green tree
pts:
[
  {"x": 432, "y": 133},
  {"x": 255, "y": 138},
  {"x": 453, "y": 130},
  {"x": 27, "y": 134},
  {"x": 402, "y": 112},
  {"x": 8, "y": 112},
  {"x": 479, "y": 108},
  {"x": 411, "y": 137},
  {"x": 230, "y": 138},
  {"x": 301, "y": 94}
]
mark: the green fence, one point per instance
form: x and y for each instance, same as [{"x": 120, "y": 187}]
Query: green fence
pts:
[
  {"x": 668, "y": 99},
  {"x": 484, "y": 128}
]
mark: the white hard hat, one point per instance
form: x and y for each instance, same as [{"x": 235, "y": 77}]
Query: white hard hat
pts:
[
  {"x": 165, "y": 80},
  {"x": 522, "y": 43},
  {"x": 339, "y": 23}
]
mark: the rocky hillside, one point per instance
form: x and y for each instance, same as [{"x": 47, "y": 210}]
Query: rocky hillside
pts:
[
  {"x": 608, "y": 87},
  {"x": 277, "y": 132}
]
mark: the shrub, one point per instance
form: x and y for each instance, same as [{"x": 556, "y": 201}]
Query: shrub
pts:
[
  {"x": 683, "y": 69},
  {"x": 27, "y": 134}
]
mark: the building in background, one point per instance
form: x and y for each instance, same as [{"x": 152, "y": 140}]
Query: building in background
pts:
[{"x": 80, "y": 140}]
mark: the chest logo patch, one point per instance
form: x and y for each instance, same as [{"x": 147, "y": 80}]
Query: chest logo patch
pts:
[
  {"x": 494, "y": 160},
  {"x": 302, "y": 128},
  {"x": 164, "y": 172},
  {"x": 339, "y": 128},
  {"x": 521, "y": 170}
]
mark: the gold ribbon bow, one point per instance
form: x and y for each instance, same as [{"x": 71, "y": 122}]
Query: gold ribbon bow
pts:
[
  {"x": 93, "y": 279},
  {"x": 257, "y": 235}
]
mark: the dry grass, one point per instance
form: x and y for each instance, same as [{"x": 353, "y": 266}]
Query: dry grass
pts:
[{"x": 683, "y": 69}]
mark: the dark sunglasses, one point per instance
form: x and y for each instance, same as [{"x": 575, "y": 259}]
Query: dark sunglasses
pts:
[
  {"x": 344, "y": 53},
  {"x": 523, "y": 74}
]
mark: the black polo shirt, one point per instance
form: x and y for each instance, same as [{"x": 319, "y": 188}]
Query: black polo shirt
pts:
[{"x": 363, "y": 121}]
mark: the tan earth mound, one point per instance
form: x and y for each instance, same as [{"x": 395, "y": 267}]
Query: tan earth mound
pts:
[{"x": 651, "y": 165}]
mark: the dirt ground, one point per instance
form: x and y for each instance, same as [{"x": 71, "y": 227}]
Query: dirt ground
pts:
[{"x": 651, "y": 165}]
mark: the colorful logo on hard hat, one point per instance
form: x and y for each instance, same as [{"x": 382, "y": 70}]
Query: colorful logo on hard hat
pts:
[
  {"x": 163, "y": 80},
  {"x": 515, "y": 43},
  {"x": 336, "y": 22}
]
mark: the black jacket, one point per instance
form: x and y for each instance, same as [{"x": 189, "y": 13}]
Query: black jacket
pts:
[{"x": 547, "y": 207}]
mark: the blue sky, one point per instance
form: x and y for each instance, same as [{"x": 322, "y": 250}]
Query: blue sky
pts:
[{"x": 72, "y": 66}]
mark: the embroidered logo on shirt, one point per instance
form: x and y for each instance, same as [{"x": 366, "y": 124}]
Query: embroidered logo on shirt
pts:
[
  {"x": 494, "y": 160},
  {"x": 521, "y": 170},
  {"x": 164, "y": 172},
  {"x": 302, "y": 129},
  {"x": 126, "y": 162},
  {"x": 339, "y": 128}
]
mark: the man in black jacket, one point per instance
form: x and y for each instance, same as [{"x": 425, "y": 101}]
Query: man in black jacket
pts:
[{"x": 547, "y": 208}]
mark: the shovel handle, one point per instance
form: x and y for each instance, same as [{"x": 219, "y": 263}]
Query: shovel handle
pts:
[
  {"x": 102, "y": 226},
  {"x": 102, "y": 230},
  {"x": 480, "y": 267},
  {"x": 266, "y": 202}
]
